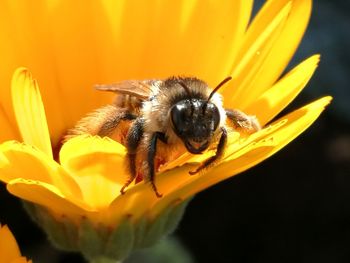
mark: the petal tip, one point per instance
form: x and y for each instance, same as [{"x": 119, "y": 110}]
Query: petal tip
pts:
[
  {"x": 320, "y": 104},
  {"x": 327, "y": 100},
  {"x": 316, "y": 58},
  {"x": 27, "y": 103},
  {"x": 21, "y": 70}
]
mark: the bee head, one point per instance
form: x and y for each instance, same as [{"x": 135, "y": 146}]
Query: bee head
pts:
[{"x": 195, "y": 120}]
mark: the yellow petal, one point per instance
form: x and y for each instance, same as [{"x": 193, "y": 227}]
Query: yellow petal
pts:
[
  {"x": 46, "y": 195},
  {"x": 275, "y": 99},
  {"x": 29, "y": 110},
  {"x": 22, "y": 161},
  {"x": 26, "y": 40},
  {"x": 251, "y": 57},
  {"x": 166, "y": 49},
  {"x": 8, "y": 246},
  {"x": 8, "y": 130},
  {"x": 252, "y": 154},
  {"x": 140, "y": 200},
  {"x": 282, "y": 49},
  {"x": 98, "y": 166},
  {"x": 73, "y": 41},
  {"x": 136, "y": 202}
]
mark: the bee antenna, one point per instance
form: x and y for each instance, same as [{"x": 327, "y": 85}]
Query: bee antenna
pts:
[
  {"x": 215, "y": 90},
  {"x": 218, "y": 87}
]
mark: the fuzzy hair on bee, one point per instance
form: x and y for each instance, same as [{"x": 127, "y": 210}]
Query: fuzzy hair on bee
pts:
[{"x": 158, "y": 119}]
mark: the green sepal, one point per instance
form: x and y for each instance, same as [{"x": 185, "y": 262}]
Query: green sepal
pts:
[
  {"x": 121, "y": 241},
  {"x": 169, "y": 250},
  {"x": 90, "y": 241},
  {"x": 140, "y": 230},
  {"x": 164, "y": 224},
  {"x": 175, "y": 217},
  {"x": 99, "y": 242},
  {"x": 62, "y": 233},
  {"x": 155, "y": 230}
]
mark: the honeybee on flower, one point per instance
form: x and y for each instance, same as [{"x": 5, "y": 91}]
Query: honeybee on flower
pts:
[{"x": 164, "y": 118}]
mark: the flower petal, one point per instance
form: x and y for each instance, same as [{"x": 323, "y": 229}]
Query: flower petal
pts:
[
  {"x": 140, "y": 200},
  {"x": 8, "y": 131},
  {"x": 166, "y": 46},
  {"x": 98, "y": 165},
  {"x": 46, "y": 195},
  {"x": 26, "y": 40},
  {"x": 29, "y": 110},
  {"x": 22, "y": 161},
  {"x": 282, "y": 49},
  {"x": 276, "y": 98},
  {"x": 73, "y": 41},
  {"x": 251, "y": 57},
  {"x": 136, "y": 202},
  {"x": 287, "y": 42},
  {"x": 8, "y": 246},
  {"x": 248, "y": 156}
]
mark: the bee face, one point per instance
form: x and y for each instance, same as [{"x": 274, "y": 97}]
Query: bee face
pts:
[{"x": 194, "y": 121}]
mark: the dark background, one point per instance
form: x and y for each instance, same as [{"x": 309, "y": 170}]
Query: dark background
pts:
[{"x": 294, "y": 207}]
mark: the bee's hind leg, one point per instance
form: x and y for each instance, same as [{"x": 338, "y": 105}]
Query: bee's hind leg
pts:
[
  {"x": 242, "y": 122},
  {"x": 219, "y": 152},
  {"x": 133, "y": 139}
]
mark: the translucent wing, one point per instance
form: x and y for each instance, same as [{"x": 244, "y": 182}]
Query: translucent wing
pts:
[{"x": 137, "y": 88}]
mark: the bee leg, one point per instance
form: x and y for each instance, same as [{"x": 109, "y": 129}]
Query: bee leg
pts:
[
  {"x": 219, "y": 152},
  {"x": 133, "y": 139},
  {"x": 242, "y": 122},
  {"x": 152, "y": 150},
  {"x": 109, "y": 126}
]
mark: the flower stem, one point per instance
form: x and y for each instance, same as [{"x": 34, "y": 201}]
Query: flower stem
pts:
[{"x": 104, "y": 260}]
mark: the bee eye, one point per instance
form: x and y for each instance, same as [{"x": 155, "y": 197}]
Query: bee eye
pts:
[
  {"x": 180, "y": 117},
  {"x": 212, "y": 112}
]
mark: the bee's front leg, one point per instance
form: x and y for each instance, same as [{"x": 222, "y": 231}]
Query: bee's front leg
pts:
[
  {"x": 133, "y": 140},
  {"x": 219, "y": 152},
  {"x": 151, "y": 154},
  {"x": 242, "y": 122}
]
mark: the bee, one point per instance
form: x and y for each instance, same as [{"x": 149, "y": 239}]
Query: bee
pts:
[{"x": 157, "y": 119}]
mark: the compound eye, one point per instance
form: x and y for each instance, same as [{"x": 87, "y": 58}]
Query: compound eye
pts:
[
  {"x": 216, "y": 117},
  {"x": 213, "y": 113},
  {"x": 179, "y": 117}
]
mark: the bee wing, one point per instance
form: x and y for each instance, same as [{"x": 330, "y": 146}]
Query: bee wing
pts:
[{"x": 137, "y": 88}]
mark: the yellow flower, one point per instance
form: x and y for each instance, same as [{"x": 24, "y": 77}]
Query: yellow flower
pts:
[
  {"x": 9, "y": 251},
  {"x": 72, "y": 45}
]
